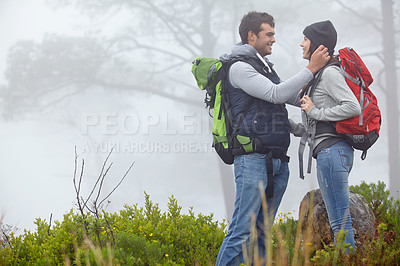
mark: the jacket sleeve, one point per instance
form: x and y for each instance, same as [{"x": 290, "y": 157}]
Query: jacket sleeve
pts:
[
  {"x": 242, "y": 75},
  {"x": 333, "y": 84},
  {"x": 297, "y": 129},
  {"x": 295, "y": 100}
]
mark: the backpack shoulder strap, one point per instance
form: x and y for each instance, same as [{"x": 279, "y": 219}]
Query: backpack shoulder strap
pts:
[
  {"x": 256, "y": 63},
  {"x": 317, "y": 78},
  {"x": 311, "y": 132},
  {"x": 258, "y": 67},
  {"x": 222, "y": 75}
]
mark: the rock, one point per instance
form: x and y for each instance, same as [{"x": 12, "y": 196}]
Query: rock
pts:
[{"x": 362, "y": 219}]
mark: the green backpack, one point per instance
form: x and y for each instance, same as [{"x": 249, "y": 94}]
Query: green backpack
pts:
[{"x": 210, "y": 75}]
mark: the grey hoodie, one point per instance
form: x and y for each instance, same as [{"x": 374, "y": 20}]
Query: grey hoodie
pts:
[{"x": 333, "y": 101}]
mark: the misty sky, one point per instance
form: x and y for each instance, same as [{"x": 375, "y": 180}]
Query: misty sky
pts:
[{"x": 37, "y": 155}]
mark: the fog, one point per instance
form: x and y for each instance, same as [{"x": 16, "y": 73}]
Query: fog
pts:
[{"x": 138, "y": 102}]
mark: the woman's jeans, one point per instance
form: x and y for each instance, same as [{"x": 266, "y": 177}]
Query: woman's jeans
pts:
[
  {"x": 333, "y": 167},
  {"x": 250, "y": 170}
]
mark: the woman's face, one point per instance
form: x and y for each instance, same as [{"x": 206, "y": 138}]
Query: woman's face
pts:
[{"x": 305, "y": 44}]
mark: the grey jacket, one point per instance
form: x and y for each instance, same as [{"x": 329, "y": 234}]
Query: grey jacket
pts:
[
  {"x": 333, "y": 101},
  {"x": 242, "y": 75}
]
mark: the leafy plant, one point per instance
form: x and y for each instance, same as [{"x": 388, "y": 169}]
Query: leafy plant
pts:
[
  {"x": 284, "y": 233},
  {"x": 149, "y": 236},
  {"x": 385, "y": 208},
  {"x": 142, "y": 236}
]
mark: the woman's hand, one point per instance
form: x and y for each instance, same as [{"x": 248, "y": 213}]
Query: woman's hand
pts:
[
  {"x": 318, "y": 59},
  {"x": 306, "y": 104}
]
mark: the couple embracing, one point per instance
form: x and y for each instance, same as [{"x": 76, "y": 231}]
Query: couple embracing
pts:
[{"x": 260, "y": 97}]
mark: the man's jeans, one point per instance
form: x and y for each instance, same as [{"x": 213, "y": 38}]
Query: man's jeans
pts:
[
  {"x": 333, "y": 167},
  {"x": 250, "y": 170}
]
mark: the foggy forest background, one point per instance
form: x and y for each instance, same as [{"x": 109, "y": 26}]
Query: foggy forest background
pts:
[{"x": 117, "y": 74}]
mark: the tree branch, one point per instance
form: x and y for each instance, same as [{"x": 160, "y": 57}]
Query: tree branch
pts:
[
  {"x": 169, "y": 22},
  {"x": 130, "y": 37},
  {"x": 352, "y": 11},
  {"x": 380, "y": 84},
  {"x": 78, "y": 189},
  {"x": 126, "y": 173},
  {"x": 156, "y": 49},
  {"x": 6, "y": 238},
  {"x": 161, "y": 71},
  {"x": 101, "y": 186},
  {"x": 100, "y": 176},
  {"x": 139, "y": 88},
  {"x": 150, "y": 90},
  {"x": 48, "y": 229},
  {"x": 375, "y": 54},
  {"x": 188, "y": 85},
  {"x": 97, "y": 206},
  {"x": 62, "y": 98}
]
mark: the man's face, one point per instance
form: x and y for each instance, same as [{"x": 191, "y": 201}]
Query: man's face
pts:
[{"x": 264, "y": 40}]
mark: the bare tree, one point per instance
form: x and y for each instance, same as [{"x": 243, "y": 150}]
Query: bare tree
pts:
[
  {"x": 392, "y": 98},
  {"x": 94, "y": 203},
  {"x": 145, "y": 54}
]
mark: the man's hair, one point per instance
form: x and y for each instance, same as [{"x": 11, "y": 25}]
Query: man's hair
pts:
[{"x": 252, "y": 22}]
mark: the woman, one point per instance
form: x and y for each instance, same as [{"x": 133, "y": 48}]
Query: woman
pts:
[{"x": 332, "y": 100}]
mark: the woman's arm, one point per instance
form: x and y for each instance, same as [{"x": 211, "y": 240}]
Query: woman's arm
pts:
[{"x": 297, "y": 129}]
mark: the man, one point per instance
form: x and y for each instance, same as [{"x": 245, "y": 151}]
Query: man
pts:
[{"x": 258, "y": 99}]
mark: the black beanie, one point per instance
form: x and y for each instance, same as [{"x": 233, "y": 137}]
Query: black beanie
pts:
[{"x": 322, "y": 33}]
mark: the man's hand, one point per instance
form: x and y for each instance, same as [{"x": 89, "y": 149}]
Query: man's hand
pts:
[
  {"x": 306, "y": 104},
  {"x": 318, "y": 59}
]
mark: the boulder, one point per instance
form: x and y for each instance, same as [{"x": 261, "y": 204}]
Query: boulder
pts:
[{"x": 315, "y": 223}]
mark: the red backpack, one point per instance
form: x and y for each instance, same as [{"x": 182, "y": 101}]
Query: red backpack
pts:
[{"x": 360, "y": 132}]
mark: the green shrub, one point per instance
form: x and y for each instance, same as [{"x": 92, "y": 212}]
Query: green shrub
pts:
[
  {"x": 284, "y": 236},
  {"x": 195, "y": 240},
  {"x": 134, "y": 236},
  {"x": 380, "y": 248},
  {"x": 377, "y": 249},
  {"x": 148, "y": 236},
  {"x": 385, "y": 208}
]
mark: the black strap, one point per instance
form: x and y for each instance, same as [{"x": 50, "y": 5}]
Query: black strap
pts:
[
  {"x": 270, "y": 175},
  {"x": 273, "y": 154},
  {"x": 364, "y": 155}
]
